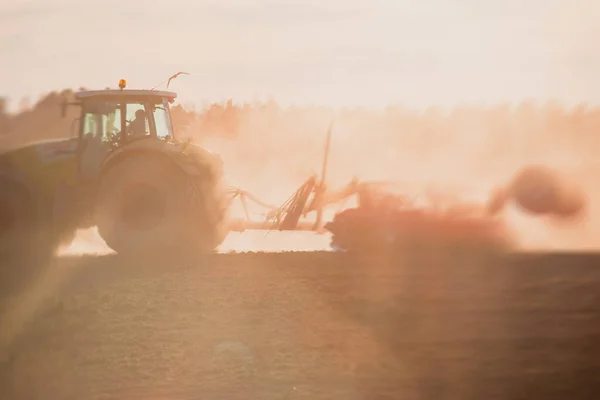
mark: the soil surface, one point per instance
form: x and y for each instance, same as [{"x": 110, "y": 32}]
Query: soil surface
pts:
[{"x": 314, "y": 325}]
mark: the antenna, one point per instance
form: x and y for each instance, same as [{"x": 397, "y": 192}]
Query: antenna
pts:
[{"x": 168, "y": 81}]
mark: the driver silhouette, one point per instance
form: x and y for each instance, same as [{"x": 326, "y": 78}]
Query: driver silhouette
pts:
[{"x": 137, "y": 127}]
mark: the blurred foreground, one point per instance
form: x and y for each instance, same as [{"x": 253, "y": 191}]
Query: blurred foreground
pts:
[{"x": 308, "y": 326}]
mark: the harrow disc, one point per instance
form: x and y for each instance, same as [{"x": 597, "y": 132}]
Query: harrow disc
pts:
[{"x": 362, "y": 230}]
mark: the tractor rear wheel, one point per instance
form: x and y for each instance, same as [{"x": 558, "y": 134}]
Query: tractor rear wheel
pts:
[{"x": 148, "y": 207}]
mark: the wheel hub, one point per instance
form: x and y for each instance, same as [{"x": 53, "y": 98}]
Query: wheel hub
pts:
[{"x": 144, "y": 206}]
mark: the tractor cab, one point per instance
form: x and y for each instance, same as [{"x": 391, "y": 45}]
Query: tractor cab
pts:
[
  {"x": 112, "y": 118},
  {"x": 120, "y": 115}
]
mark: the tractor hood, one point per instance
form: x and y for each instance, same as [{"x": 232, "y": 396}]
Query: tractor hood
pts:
[
  {"x": 47, "y": 150},
  {"x": 57, "y": 148},
  {"x": 41, "y": 154},
  {"x": 43, "y": 165}
]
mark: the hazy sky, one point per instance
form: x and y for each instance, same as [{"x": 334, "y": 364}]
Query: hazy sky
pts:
[{"x": 339, "y": 52}]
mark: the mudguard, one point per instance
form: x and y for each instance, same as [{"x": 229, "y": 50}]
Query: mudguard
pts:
[{"x": 193, "y": 160}]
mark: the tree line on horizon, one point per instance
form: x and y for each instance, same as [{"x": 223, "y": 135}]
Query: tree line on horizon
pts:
[{"x": 527, "y": 123}]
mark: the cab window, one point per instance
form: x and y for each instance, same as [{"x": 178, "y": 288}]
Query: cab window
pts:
[
  {"x": 162, "y": 121},
  {"x": 101, "y": 121}
]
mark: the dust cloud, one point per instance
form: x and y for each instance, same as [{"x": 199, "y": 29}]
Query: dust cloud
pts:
[
  {"x": 270, "y": 151},
  {"x": 468, "y": 149}
]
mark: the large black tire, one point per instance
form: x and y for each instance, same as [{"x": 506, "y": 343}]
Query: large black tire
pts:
[{"x": 148, "y": 207}]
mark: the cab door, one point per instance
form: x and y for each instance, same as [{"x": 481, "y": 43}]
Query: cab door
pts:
[{"x": 100, "y": 132}]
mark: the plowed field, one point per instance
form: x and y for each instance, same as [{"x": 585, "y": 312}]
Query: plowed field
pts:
[{"x": 312, "y": 325}]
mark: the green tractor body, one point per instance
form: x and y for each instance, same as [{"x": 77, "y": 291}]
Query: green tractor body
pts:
[{"x": 124, "y": 172}]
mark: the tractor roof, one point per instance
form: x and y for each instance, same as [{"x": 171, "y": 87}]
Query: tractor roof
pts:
[{"x": 86, "y": 94}]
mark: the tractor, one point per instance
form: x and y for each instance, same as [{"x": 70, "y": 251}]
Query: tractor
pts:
[{"x": 124, "y": 172}]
